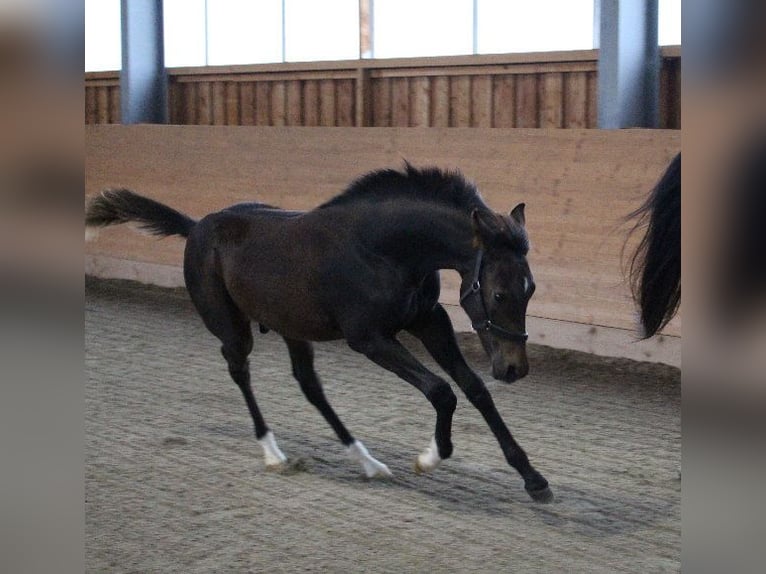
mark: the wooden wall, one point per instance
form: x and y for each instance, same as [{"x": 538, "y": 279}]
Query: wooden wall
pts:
[
  {"x": 578, "y": 186},
  {"x": 540, "y": 90}
]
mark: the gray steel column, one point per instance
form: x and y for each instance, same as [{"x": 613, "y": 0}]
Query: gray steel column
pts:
[
  {"x": 629, "y": 64},
  {"x": 143, "y": 80}
]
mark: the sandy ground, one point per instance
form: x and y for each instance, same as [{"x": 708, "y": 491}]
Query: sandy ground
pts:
[{"x": 175, "y": 481}]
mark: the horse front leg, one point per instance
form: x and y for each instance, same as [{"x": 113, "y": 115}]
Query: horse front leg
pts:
[
  {"x": 435, "y": 331},
  {"x": 391, "y": 355}
]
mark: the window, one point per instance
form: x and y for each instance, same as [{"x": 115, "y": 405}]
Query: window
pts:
[
  {"x": 544, "y": 25},
  {"x": 327, "y": 30},
  {"x": 405, "y": 28},
  {"x": 223, "y": 32},
  {"x": 669, "y": 26},
  {"x": 103, "y": 33}
]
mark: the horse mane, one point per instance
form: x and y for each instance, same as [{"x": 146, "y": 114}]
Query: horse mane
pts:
[{"x": 429, "y": 184}]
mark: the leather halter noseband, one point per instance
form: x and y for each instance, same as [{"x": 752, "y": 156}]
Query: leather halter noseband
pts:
[{"x": 477, "y": 310}]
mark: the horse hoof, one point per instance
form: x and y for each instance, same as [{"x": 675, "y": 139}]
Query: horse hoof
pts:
[{"x": 543, "y": 495}]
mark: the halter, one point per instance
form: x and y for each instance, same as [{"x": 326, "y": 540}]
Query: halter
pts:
[{"x": 477, "y": 309}]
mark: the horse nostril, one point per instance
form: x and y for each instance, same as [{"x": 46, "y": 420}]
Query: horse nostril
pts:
[{"x": 510, "y": 374}]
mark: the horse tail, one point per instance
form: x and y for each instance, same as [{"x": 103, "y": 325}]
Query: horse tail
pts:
[
  {"x": 655, "y": 268},
  {"x": 116, "y": 206}
]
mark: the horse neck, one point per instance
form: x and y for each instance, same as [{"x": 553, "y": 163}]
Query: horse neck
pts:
[{"x": 424, "y": 239}]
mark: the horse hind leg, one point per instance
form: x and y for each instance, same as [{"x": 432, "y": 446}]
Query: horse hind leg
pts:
[
  {"x": 302, "y": 358},
  {"x": 224, "y": 320}
]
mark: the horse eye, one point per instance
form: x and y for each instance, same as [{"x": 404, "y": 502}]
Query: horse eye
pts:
[{"x": 499, "y": 297}]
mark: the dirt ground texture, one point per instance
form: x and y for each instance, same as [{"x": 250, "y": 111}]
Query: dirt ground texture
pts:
[{"x": 175, "y": 481}]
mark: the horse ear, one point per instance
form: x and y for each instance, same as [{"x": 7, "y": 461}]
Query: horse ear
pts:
[
  {"x": 517, "y": 214},
  {"x": 486, "y": 225}
]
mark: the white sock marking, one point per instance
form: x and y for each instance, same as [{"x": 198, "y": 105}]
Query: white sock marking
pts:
[
  {"x": 271, "y": 453},
  {"x": 429, "y": 459},
  {"x": 372, "y": 467}
]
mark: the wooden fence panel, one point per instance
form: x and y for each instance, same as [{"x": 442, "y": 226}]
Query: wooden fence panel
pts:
[{"x": 556, "y": 89}]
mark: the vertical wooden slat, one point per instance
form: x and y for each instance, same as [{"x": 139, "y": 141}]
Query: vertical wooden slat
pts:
[
  {"x": 346, "y": 114},
  {"x": 381, "y": 102},
  {"x": 575, "y": 100},
  {"x": 400, "y": 102},
  {"x": 263, "y": 103},
  {"x": 440, "y": 101},
  {"x": 115, "y": 113},
  {"x": 363, "y": 98},
  {"x": 90, "y": 105},
  {"x": 175, "y": 103},
  {"x": 327, "y": 104},
  {"x": 551, "y": 100},
  {"x": 504, "y": 101},
  {"x": 670, "y": 94},
  {"x": 278, "y": 111},
  {"x": 102, "y": 105},
  {"x": 204, "y": 103},
  {"x": 481, "y": 101},
  {"x": 219, "y": 103},
  {"x": 233, "y": 105},
  {"x": 294, "y": 103},
  {"x": 420, "y": 113},
  {"x": 311, "y": 103},
  {"x": 189, "y": 95},
  {"x": 460, "y": 101},
  {"x": 592, "y": 103},
  {"x": 526, "y": 101},
  {"x": 247, "y": 103}
]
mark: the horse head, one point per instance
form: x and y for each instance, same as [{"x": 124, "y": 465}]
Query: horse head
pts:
[{"x": 496, "y": 292}]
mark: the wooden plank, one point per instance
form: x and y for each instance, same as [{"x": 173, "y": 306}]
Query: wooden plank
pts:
[
  {"x": 327, "y": 103},
  {"x": 551, "y": 100},
  {"x": 248, "y": 104},
  {"x": 219, "y": 103},
  {"x": 311, "y": 103},
  {"x": 346, "y": 114},
  {"x": 190, "y": 101},
  {"x": 460, "y": 101},
  {"x": 575, "y": 100},
  {"x": 263, "y": 104},
  {"x": 294, "y": 103},
  {"x": 481, "y": 101},
  {"x": 102, "y": 105},
  {"x": 592, "y": 109},
  {"x": 350, "y": 66},
  {"x": 504, "y": 101},
  {"x": 278, "y": 109},
  {"x": 91, "y": 115},
  {"x": 400, "y": 102},
  {"x": 561, "y": 67},
  {"x": 115, "y": 111},
  {"x": 381, "y": 102},
  {"x": 420, "y": 103},
  {"x": 232, "y": 104},
  {"x": 363, "y": 98},
  {"x": 440, "y": 102},
  {"x": 527, "y": 111},
  {"x": 204, "y": 104}
]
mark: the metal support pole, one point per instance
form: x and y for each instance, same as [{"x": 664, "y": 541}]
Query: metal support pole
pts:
[
  {"x": 143, "y": 81},
  {"x": 629, "y": 64}
]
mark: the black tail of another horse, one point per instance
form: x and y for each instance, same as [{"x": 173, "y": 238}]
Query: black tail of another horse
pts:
[
  {"x": 115, "y": 206},
  {"x": 655, "y": 268}
]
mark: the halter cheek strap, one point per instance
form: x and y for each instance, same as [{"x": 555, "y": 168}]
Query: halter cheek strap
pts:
[{"x": 472, "y": 302}]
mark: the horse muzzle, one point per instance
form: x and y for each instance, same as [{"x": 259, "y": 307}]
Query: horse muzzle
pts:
[{"x": 510, "y": 372}]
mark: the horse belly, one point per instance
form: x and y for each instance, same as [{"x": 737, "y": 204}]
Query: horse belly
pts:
[{"x": 288, "y": 309}]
